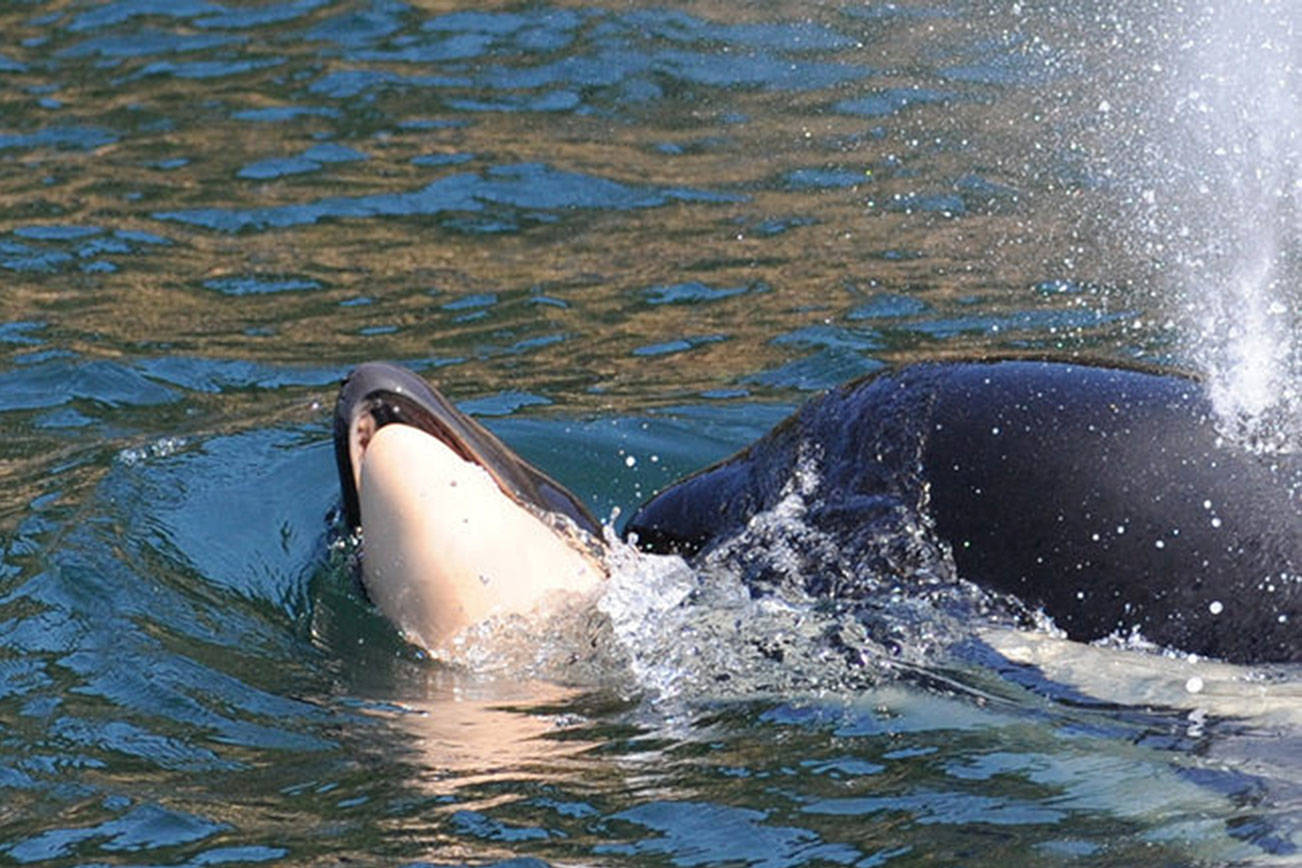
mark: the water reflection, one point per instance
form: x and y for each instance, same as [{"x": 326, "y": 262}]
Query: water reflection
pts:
[
  {"x": 409, "y": 129},
  {"x": 461, "y": 735}
]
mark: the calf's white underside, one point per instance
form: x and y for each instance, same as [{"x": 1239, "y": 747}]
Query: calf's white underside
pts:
[{"x": 445, "y": 548}]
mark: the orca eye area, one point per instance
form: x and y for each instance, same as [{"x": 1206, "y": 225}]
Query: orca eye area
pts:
[{"x": 384, "y": 410}]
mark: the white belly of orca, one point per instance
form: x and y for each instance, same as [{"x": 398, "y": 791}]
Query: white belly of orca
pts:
[
  {"x": 1135, "y": 678},
  {"x": 445, "y": 548}
]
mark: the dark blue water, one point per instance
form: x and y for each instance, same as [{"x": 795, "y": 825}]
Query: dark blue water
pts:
[{"x": 630, "y": 239}]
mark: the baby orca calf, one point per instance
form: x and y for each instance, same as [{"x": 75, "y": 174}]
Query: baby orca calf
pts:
[
  {"x": 1105, "y": 496},
  {"x": 456, "y": 527}
]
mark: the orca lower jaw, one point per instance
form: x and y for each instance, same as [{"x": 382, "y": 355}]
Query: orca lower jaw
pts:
[
  {"x": 379, "y": 410},
  {"x": 456, "y": 527},
  {"x": 445, "y": 547}
]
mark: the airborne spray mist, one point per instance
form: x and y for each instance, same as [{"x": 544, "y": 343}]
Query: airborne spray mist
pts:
[{"x": 1211, "y": 158}]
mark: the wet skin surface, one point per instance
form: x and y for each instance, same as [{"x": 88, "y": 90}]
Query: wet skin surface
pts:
[{"x": 1106, "y": 496}]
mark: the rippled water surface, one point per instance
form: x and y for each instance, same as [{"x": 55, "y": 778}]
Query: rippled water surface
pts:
[{"x": 629, "y": 238}]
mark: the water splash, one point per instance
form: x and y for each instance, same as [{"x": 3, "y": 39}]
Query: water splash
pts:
[
  {"x": 693, "y": 631},
  {"x": 1242, "y": 107},
  {"x": 160, "y": 448},
  {"x": 699, "y": 633},
  {"x": 1213, "y": 157},
  {"x": 784, "y": 607},
  {"x": 1252, "y": 359}
]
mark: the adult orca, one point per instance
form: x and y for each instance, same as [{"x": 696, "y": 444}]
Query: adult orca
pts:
[
  {"x": 456, "y": 527},
  {"x": 1103, "y": 495}
]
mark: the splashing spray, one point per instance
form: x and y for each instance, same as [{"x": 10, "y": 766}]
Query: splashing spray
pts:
[
  {"x": 1196, "y": 148},
  {"x": 1231, "y": 163}
]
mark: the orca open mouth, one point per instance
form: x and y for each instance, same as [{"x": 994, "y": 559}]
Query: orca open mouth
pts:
[{"x": 376, "y": 394}]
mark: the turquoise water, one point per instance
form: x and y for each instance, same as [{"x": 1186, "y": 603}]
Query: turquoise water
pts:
[{"x": 629, "y": 239}]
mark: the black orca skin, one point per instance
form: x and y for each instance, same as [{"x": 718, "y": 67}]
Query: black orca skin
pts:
[{"x": 1104, "y": 495}]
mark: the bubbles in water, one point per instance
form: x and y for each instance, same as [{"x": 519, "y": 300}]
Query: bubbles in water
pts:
[
  {"x": 701, "y": 631},
  {"x": 785, "y": 607}
]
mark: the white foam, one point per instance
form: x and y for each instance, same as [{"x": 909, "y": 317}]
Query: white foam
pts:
[{"x": 160, "y": 448}]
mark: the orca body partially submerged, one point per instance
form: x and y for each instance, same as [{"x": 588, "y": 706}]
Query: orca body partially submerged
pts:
[
  {"x": 375, "y": 394},
  {"x": 457, "y": 527},
  {"x": 1104, "y": 496}
]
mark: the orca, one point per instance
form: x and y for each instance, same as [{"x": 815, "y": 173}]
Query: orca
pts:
[
  {"x": 1105, "y": 496},
  {"x": 456, "y": 527}
]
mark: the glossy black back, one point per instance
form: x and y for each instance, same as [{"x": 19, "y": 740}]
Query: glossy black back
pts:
[{"x": 1106, "y": 496}]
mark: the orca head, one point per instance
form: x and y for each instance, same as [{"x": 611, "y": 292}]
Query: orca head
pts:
[
  {"x": 455, "y": 526},
  {"x": 376, "y": 394}
]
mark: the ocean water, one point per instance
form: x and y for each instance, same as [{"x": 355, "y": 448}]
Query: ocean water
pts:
[{"x": 629, "y": 238}]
